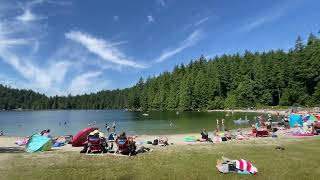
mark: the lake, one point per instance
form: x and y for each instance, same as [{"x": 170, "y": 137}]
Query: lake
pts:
[{"x": 65, "y": 122}]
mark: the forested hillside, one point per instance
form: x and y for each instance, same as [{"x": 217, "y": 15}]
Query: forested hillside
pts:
[{"x": 229, "y": 81}]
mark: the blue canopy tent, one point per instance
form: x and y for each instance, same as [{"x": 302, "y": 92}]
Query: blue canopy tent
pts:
[
  {"x": 296, "y": 120},
  {"x": 38, "y": 143}
]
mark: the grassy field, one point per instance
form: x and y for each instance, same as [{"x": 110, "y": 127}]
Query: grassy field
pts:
[{"x": 299, "y": 160}]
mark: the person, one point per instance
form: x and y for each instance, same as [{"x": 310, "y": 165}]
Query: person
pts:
[
  {"x": 96, "y": 134},
  {"x": 217, "y": 123},
  {"x": 122, "y": 135},
  {"x": 163, "y": 141},
  {"x": 269, "y": 122},
  {"x": 204, "y": 134},
  {"x": 107, "y": 127},
  {"x": 316, "y": 127},
  {"x": 222, "y": 124},
  {"x": 1, "y": 133},
  {"x": 216, "y": 136},
  {"x": 254, "y": 130},
  {"x": 114, "y": 126},
  {"x": 142, "y": 149},
  {"x": 47, "y": 134},
  {"x": 42, "y": 132},
  {"x": 240, "y": 135},
  {"x": 286, "y": 122},
  {"x": 170, "y": 124},
  {"x": 227, "y": 134}
]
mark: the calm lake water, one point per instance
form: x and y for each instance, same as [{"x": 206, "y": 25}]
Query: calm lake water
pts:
[{"x": 67, "y": 122}]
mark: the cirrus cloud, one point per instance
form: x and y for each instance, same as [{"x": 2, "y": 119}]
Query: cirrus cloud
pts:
[{"x": 102, "y": 48}]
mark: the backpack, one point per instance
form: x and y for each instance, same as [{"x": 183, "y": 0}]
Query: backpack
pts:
[{"x": 155, "y": 142}]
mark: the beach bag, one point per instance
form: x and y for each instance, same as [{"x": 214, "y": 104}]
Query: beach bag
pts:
[{"x": 155, "y": 142}]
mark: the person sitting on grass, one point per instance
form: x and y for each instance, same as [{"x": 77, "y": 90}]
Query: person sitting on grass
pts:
[
  {"x": 227, "y": 134},
  {"x": 163, "y": 141},
  {"x": 240, "y": 135},
  {"x": 216, "y": 137},
  {"x": 254, "y": 130},
  {"x": 316, "y": 128},
  {"x": 204, "y": 134}
]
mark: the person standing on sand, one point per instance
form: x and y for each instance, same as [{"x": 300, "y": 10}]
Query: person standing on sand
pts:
[
  {"x": 107, "y": 127},
  {"x": 1, "y": 133},
  {"x": 218, "y": 124},
  {"x": 114, "y": 126},
  {"x": 222, "y": 124}
]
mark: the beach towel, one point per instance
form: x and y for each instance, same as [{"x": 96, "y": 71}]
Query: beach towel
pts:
[
  {"x": 244, "y": 165},
  {"x": 22, "y": 142}
]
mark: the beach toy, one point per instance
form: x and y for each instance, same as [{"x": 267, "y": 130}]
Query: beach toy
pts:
[{"x": 81, "y": 137}]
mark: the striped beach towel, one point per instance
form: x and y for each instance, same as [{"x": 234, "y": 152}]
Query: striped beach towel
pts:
[{"x": 244, "y": 165}]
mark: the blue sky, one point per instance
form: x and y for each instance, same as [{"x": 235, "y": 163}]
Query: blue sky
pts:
[{"x": 61, "y": 47}]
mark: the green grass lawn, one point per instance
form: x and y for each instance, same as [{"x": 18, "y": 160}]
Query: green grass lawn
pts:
[{"x": 300, "y": 160}]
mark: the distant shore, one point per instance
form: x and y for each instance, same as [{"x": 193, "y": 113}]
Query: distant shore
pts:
[{"x": 265, "y": 111}]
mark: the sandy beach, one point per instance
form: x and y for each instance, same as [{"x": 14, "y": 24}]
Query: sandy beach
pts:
[{"x": 173, "y": 140}]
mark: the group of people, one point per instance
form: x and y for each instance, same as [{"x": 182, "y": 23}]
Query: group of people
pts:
[
  {"x": 113, "y": 127},
  {"x": 126, "y": 145},
  {"x": 217, "y": 136}
]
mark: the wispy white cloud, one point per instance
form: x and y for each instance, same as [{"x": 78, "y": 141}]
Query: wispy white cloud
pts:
[
  {"x": 41, "y": 77},
  {"x": 259, "y": 22},
  {"x": 28, "y": 16},
  {"x": 201, "y": 21},
  {"x": 16, "y": 33},
  {"x": 162, "y": 3},
  {"x": 87, "y": 82},
  {"x": 118, "y": 43},
  {"x": 197, "y": 23},
  {"x": 269, "y": 16},
  {"x": 102, "y": 48},
  {"x": 150, "y": 19},
  {"x": 191, "y": 40}
]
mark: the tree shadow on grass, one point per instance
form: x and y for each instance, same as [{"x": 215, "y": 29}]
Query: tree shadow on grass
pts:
[{"x": 11, "y": 149}]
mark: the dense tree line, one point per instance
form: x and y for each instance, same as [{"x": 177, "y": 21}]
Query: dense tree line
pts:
[{"x": 229, "y": 81}]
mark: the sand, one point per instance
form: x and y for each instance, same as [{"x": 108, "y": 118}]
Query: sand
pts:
[{"x": 7, "y": 143}]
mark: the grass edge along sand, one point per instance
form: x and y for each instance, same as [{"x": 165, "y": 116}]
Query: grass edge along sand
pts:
[{"x": 299, "y": 160}]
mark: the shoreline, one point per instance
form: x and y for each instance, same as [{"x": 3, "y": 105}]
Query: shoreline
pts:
[
  {"x": 264, "y": 111},
  {"x": 173, "y": 140}
]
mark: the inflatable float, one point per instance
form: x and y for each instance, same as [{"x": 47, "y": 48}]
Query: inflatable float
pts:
[
  {"x": 81, "y": 136},
  {"x": 191, "y": 138}
]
